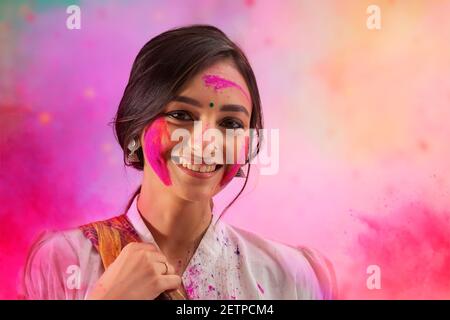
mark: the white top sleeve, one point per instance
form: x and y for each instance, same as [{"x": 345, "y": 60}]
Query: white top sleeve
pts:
[
  {"x": 60, "y": 266},
  {"x": 324, "y": 273}
]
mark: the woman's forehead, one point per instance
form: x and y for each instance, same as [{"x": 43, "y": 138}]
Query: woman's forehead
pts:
[
  {"x": 220, "y": 78},
  {"x": 226, "y": 70}
]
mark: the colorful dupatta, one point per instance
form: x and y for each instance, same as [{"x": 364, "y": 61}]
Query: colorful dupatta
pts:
[{"x": 110, "y": 236}]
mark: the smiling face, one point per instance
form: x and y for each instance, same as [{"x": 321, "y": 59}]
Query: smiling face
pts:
[{"x": 218, "y": 97}]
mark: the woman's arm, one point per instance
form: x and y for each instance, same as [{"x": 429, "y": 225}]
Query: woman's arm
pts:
[{"x": 52, "y": 270}]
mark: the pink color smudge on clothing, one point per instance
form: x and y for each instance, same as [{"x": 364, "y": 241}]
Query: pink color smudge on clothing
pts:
[
  {"x": 260, "y": 288},
  {"x": 193, "y": 273},
  {"x": 219, "y": 83},
  {"x": 190, "y": 291}
]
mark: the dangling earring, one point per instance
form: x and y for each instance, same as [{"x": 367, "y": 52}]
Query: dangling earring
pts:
[
  {"x": 240, "y": 173},
  {"x": 133, "y": 146}
]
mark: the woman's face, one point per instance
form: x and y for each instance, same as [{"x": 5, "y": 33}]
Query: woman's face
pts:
[{"x": 199, "y": 163}]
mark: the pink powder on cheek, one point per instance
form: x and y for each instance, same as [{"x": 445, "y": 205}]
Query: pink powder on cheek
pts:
[
  {"x": 219, "y": 83},
  {"x": 234, "y": 168},
  {"x": 229, "y": 174},
  {"x": 154, "y": 150}
]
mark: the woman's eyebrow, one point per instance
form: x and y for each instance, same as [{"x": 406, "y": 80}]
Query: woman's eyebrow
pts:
[
  {"x": 235, "y": 108},
  {"x": 188, "y": 100},
  {"x": 225, "y": 107}
]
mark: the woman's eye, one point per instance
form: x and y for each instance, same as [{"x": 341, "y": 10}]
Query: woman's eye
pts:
[
  {"x": 232, "y": 124},
  {"x": 180, "y": 115}
]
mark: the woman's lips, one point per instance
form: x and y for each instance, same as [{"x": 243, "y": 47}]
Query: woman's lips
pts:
[
  {"x": 195, "y": 170},
  {"x": 196, "y": 174}
]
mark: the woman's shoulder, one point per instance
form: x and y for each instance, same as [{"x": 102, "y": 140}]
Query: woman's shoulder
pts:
[
  {"x": 57, "y": 243},
  {"x": 308, "y": 266},
  {"x": 52, "y": 259}
]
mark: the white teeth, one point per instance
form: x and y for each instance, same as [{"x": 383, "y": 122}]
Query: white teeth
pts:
[{"x": 197, "y": 167}]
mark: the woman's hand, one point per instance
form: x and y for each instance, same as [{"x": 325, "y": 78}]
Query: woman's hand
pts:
[{"x": 137, "y": 273}]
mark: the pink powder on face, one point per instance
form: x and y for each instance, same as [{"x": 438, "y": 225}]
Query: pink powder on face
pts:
[
  {"x": 219, "y": 83},
  {"x": 154, "y": 149},
  {"x": 230, "y": 173},
  {"x": 232, "y": 170}
]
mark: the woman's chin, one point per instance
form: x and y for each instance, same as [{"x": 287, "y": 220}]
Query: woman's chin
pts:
[{"x": 191, "y": 189}]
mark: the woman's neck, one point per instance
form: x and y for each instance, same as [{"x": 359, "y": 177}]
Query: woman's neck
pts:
[{"x": 177, "y": 225}]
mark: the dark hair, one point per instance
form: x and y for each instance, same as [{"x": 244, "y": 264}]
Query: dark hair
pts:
[{"x": 162, "y": 67}]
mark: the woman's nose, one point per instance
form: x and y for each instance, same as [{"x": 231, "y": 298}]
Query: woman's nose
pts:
[{"x": 201, "y": 139}]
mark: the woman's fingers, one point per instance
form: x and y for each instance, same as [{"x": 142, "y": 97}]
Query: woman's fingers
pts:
[
  {"x": 168, "y": 282},
  {"x": 160, "y": 267},
  {"x": 155, "y": 257},
  {"x": 171, "y": 269},
  {"x": 141, "y": 245}
]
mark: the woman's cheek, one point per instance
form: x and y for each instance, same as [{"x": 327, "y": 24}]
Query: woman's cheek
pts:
[
  {"x": 230, "y": 173},
  {"x": 156, "y": 141},
  {"x": 232, "y": 170}
]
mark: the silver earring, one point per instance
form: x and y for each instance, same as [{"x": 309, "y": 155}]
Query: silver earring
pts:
[{"x": 133, "y": 146}]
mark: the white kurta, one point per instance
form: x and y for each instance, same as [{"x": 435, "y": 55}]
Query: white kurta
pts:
[{"x": 229, "y": 263}]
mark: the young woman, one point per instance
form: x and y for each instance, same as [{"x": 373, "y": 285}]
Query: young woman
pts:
[{"x": 168, "y": 244}]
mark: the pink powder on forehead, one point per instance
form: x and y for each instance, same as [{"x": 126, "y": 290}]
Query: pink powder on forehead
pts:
[
  {"x": 219, "y": 83},
  {"x": 154, "y": 149}
]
